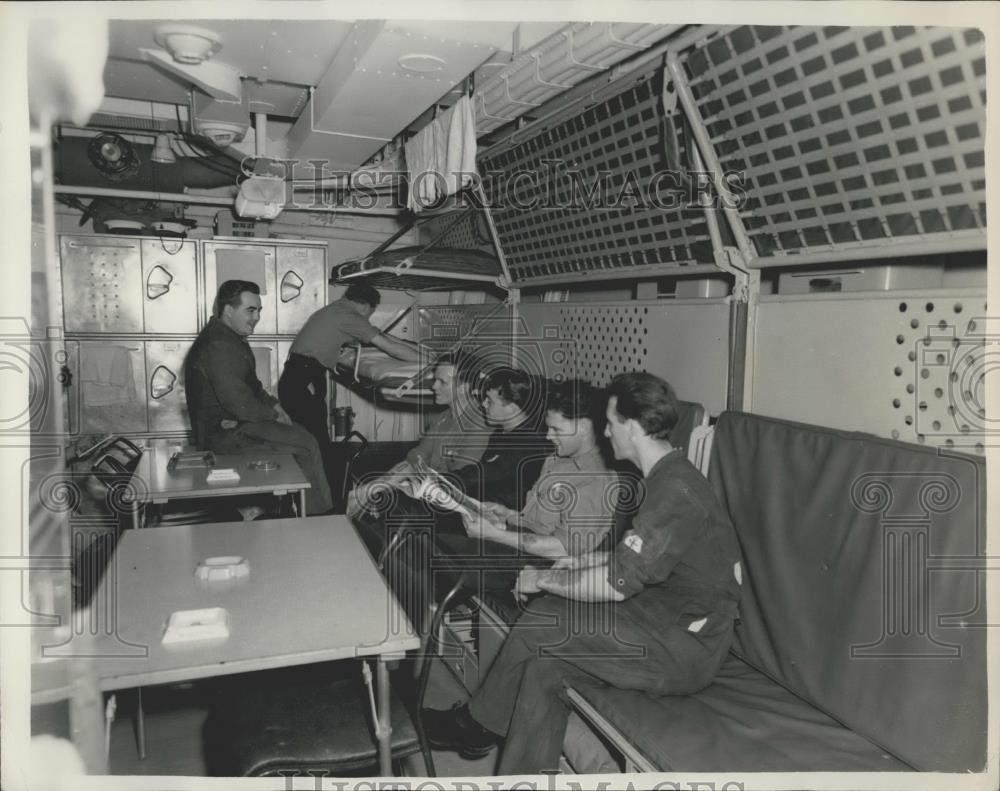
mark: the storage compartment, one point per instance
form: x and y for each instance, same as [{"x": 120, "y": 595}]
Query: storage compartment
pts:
[
  {"x": 867, "y": 278},
  {"x": 701, "y": 288}
]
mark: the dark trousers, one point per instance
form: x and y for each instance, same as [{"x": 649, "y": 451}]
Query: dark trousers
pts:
[
  {"x": 433, "y": 551},
  {"x": 274, "y": 437},
  {"x": 302, "y": 392},
  {"x": 559, "y": 643}
]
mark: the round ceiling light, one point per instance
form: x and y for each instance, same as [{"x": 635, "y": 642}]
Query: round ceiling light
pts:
[
  {"x": 421, "y": 64},
  {"x": 186, "y": 44}
]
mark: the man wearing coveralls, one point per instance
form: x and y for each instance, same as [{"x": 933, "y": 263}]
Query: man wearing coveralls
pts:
[{"x": 670, "y": 587}]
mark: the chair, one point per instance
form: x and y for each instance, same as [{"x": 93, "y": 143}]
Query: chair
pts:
[{"x": 315, "y": 719}]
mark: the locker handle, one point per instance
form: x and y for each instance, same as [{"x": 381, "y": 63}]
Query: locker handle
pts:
[
  {"x": 158, "y": 282},
  {"x": 291, "y": 285},
  {"x": 165, "y": 385}
]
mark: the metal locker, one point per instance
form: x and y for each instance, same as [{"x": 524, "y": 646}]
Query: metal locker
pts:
[
  {"x": 169, "y": 286},
  {"x": 266, "y": 356},
  {"x": 110, "y": 389},
  {"x": 101, "y": 284},
  {"x": 301, "y": 277},
  {"x": 236, "y": 261},
  {"x": 166, "y": 400}
]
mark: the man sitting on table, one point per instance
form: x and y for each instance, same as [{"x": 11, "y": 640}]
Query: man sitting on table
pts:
[
  {"x": 570, "y": 508},
  {"x": 229, "y": 408},
  {"x": 317, "y": 347},
  {"x": 670, "y": 590},
  {"x": 453, "y": 439}
]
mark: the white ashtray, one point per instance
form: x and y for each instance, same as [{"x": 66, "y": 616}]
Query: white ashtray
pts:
[
  {"x": 188, "y": 626},
  {"x": 223, "y": 568},
  {"x": 223, "y": 475}
]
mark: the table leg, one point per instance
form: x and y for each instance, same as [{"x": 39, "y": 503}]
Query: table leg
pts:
[
  {"x": 384, "y": 723},
  {"x": 302, "y": 502},
  {"x": 140, "y": 725}
]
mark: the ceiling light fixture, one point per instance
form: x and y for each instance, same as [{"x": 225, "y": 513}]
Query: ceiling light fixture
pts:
[
  {"x": 421, "y": 64},
  {"x": 186, "y": 44},
  {"x": 162, "y": 152}
]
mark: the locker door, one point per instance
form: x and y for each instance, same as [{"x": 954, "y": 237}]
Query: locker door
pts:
[
  {"x": 266, "y": 356},
  {"x": 169, "y": 287},
  {"x": 101, "y": 284},
  {"x": 235, "y": 261},
  {"x": 301, "y": 276},
  {"x": 110, "y": 389},
  {"x": 166, "y": 402}
]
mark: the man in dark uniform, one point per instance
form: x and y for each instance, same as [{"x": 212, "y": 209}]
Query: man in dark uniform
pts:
[
  {"x": 513, "y": 401},
  {"x": 229, "y": 408},
  {"x": 316, "y": 349},
  {"x": 670, "y": 590}
]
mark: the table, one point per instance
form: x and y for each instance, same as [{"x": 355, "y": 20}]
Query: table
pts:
[
  {"x": 313, "y": 595},
  {"x": 153, "y": 482}
]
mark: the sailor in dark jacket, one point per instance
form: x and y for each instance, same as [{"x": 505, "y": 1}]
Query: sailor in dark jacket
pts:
[{"x": 229, "y": 408}]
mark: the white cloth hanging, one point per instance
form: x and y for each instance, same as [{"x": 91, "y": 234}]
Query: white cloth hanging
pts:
[{"x": 441, "y": 157}]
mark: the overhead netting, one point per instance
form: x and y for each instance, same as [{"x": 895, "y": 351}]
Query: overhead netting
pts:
[
  {"x": 843, "y": 138},
  {"x": 848, "y": 136},
  {"x": 589, "y": 192}
]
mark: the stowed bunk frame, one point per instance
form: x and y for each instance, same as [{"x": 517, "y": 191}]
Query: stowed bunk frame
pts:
[{"x": 860, "y": 146}]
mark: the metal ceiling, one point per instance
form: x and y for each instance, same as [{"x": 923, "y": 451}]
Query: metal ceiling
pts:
[{"x": 369, "y": 80}]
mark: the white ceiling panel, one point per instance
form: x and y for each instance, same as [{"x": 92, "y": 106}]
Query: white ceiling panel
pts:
[{"x": 294, "y": 51}]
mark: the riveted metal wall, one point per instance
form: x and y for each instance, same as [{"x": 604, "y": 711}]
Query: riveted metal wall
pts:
[
  {"x": 133, "y": 306},
  {"x": 848, "y": 136},
  {"x": 469, "y": 326},
  {"x": 906, "y": 365}
]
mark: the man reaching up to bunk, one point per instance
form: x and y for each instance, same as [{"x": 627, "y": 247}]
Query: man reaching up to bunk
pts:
[
  {"x": 317, "y": 347},
  {"x": 229, "y": 408},
  {"x": 669, "y": 591}
]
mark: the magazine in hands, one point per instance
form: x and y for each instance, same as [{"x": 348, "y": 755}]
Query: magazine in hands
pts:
[{"x": 432, "y": 486}]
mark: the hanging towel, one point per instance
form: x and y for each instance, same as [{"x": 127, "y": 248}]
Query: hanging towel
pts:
[{"x": 446, "y": 146}]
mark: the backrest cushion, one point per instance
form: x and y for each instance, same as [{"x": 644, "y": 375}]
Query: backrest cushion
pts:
[
  {"x": 689, "y": 415},
  {"x": 861, "y": 592}
]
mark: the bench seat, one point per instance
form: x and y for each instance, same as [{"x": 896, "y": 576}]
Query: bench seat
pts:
[{"x": 743, "y": 722}]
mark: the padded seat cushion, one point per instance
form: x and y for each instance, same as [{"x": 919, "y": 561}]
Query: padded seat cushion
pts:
[
  {"x": 743, "y": 722},
  {"x": 689, "y": 415},
  {"x": 863, "y": 588},
  {"x": 302, "y": 719}
]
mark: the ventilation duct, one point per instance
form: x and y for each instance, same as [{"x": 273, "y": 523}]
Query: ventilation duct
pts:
[
  {"x": 561, "y": 61},
  {"x": 74, "y": 167}
]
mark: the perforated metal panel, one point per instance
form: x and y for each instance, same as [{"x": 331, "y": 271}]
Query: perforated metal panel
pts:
[
  {"x": 605, "y": 341},
  {"x": 466, "y": 233},
  {"x": 685, "y": 342},
  {"x": 908, "y": 366},
  {"x": 848, "y": 136},
  {"x": 542, "y": 190},
  {"x": 443, "y": 327}
]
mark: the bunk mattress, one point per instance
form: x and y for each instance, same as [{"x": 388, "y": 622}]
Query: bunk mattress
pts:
[{"x": 393, "y": 379}]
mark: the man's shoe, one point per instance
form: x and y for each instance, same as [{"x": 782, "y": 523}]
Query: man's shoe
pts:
[{"x": 455, "y": 730}]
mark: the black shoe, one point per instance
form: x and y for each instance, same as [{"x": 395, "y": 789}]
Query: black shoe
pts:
[{"x": 455, "y": 730}]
